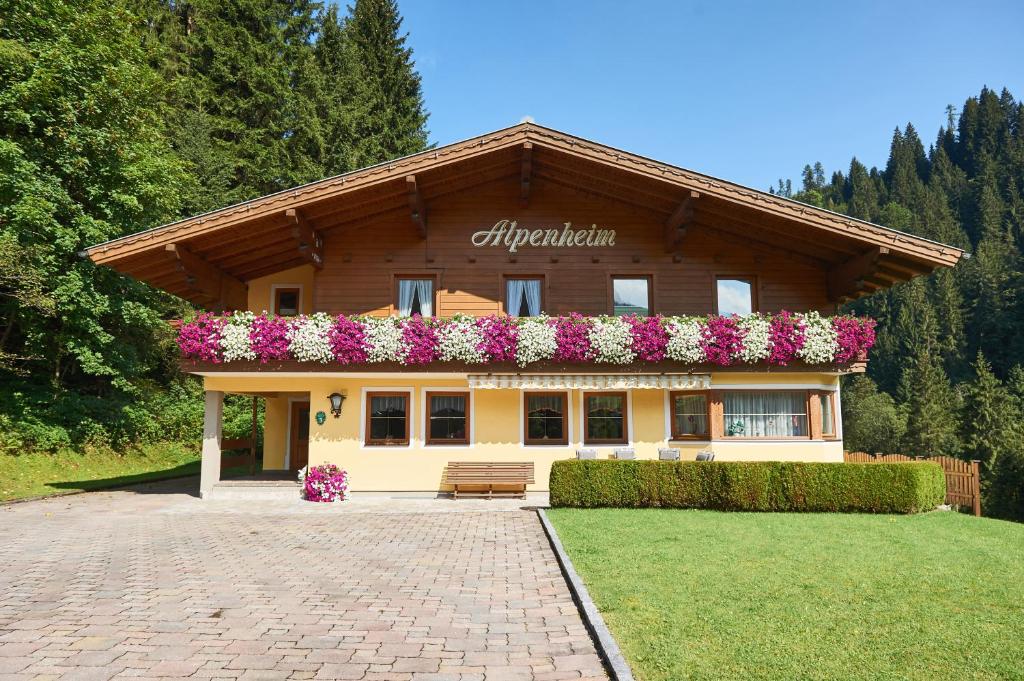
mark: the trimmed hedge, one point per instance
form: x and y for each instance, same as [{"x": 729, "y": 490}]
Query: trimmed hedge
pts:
[{"x": 749, "y": 486}]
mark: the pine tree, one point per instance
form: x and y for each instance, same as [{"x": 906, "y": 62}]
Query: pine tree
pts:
[
  {"x": 991, "y": 417},
  {"x": 394, "y": 123}
]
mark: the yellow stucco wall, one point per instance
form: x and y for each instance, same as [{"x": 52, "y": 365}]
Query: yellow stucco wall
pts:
[
  {"x": 260, "y": 299},
  {"x": 495, "y": 428}
]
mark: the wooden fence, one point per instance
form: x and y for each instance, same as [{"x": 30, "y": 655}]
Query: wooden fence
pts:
[{"x": 963, "y": 478}]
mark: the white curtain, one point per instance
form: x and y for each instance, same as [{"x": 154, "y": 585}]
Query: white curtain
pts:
[
  {"x": 415, "y": 289},
  {"x": 517, "y": 290},
  {"x": 749, "y": 413}
]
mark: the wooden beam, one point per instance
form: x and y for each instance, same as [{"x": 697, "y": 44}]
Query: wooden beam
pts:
[
  {"x": 526, "y": 174},
  {"x": 851, "y": 276},
  {"x": 419, "y": 211},
  {"x": 212, "y": 285},
  {"x": 728, "y": 235},
  {"x": 307, "y": 240},
  {"x": 679, "y": 222}
]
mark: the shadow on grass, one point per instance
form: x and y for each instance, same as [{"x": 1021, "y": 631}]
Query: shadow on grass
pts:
[{"x": 184, "y": 485}]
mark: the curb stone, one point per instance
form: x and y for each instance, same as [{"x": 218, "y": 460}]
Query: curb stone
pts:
[{"x": 606, "y": 645}]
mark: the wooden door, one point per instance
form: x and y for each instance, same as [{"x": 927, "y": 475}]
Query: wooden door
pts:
[{"x": 299, "y": 452}]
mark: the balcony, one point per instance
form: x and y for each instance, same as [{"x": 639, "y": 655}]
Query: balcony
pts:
[{"x": 243, "y": 341}]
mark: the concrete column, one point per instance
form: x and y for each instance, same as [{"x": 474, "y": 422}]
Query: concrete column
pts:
[{"x": 212, "y": 425}]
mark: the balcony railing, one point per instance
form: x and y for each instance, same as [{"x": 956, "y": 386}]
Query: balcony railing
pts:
[{"x": 759, "y": 339}]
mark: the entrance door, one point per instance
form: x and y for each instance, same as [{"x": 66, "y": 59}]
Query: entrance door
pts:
[{"x": 299, "y": 445}]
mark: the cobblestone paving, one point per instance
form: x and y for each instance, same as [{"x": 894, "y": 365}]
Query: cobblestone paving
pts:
[{"x": 160, "y": 585}]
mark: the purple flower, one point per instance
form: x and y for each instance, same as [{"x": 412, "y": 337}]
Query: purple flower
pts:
[
  {"x": 200, "y": 338},
  {"x": 348, "y": 341},
  {"x": 326, "y": 482},
  {"x": 572, "y": 336},
  {"x": 786, "y": 337},
  {"x": 855, "y": 335},
  {"x": 723, "y": 340},
  {"x": 269, "y": 337},
  {"x": 650, "y": 339},
  {"x": 500, "y": 338},
  {"x": 419, "y": 337}
]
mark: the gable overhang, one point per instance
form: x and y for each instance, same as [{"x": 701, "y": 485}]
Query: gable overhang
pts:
[{"x": 208, "y": 259}]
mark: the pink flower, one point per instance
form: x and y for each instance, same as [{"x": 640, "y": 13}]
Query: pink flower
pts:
[
  {"x": 786, "y": 337},
  {"x": 269, "y": 337},
  {"x": 348, "y": 341},
  {"x": 200, "y": 338},
  {"x": 500, "y": 338},
  {"x": 855, "y": 335},
  {"x": 723, "y": 340},
  {"x": 420, "y": 340},
  {"x": 573, "y": 339},
  {"x": 326, "y": 482},
  {"x": 650, "y": 339}
]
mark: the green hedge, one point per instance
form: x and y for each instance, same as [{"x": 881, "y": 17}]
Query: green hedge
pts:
[{"x": 749, "y": 486}]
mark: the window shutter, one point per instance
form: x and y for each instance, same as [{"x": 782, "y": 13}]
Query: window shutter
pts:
[
  {"x": 814, "y": 413},
  {"x": 717, "y": 425}
]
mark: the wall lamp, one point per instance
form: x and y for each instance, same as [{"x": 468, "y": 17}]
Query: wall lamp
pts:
[{"x": 336, "y": 401}]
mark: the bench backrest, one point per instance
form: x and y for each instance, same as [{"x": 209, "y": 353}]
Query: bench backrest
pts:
[{"x": 489, "y": 471}]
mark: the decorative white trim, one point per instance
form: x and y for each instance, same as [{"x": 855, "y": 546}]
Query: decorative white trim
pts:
[
  {"x": 571, "y": 440},
  {"x": 423, "y": 416},
  {"x": 413, "y": 440},
  {"x": 589, "y": 381},
  {"x": 775, "y": 386},
  {"x": 273, "y": 296}
]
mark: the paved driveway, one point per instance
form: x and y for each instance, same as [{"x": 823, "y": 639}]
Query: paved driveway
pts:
[{"x": 160, "y": 584}]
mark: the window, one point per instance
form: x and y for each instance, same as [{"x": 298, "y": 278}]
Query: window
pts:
[
  {"x": 447, "y": 418},
  {"x": 828, "y": 422},
  {"x": 734, "y": 296},
  {"x": 286, "y": 301},
  {"x": 752, "y": 413},
  {"x": 689, "y": 415},
  {"x": 415, "y": 296},
  {"x": 546, "y": 418},
  {"x": 523, "y": 297},
  {"x": 387, "y": 418},
  {"x": 605, "y": 418},
  {"x": 631, "y": 295}
]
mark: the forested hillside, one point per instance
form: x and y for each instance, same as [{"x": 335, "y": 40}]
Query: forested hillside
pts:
[
  {"x": 118, "y": 116},
  {"x": 947, "y": 374}
]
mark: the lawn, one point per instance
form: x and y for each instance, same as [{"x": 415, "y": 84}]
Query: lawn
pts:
[
  {"x": 708, "y": 595},
  {"x": 38, "y": 474}
]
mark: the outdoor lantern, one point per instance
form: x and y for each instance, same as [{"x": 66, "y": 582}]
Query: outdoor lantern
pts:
[{"x": 336, "y": 400}]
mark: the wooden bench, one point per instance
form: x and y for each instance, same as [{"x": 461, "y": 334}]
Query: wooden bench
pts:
[{"x": 483, "y": 476}]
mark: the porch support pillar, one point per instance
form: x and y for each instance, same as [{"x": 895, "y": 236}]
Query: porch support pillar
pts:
[{"x": 212, "y": 426}]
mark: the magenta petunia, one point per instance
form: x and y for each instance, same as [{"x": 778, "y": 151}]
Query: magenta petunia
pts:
[
  {"x": 348, "y": 341},
  {"x": 786, "y": 338},
  {"x": 419, "y": 337},
  {"x": 200, "y": 338},
  {"x": 855, "y": 335},
  {"x": 269, "y": 337},
  {"x": 723, "y": 340},
  {"x": 650, "y": 338},
  {"x": 500, "y": 338},
  {"x": 572, "y": 336}
]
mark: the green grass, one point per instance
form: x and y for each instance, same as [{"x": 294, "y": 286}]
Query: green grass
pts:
[
  {"x": 39, "y": 474},
  {"x": 709, "y": 595}
]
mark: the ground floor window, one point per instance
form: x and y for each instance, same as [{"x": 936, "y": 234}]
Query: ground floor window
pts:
[
  {"x": 755, "y": 413},
  {"x": 387, "y": 418},
  {"x": 447, "y": 418},
  {"x": 689, "y": 415},
  {"x": 546, "y": 418},
  {"x": 604, "y": 418},
  {"x": 828, "y": 421}
]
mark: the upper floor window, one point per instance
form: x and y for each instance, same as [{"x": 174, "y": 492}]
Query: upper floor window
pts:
[
  {"x": 757, "y": 413},
  {"x": 416, "y": 296},
  {"x": 734, "y": 295},
  {"x": 286, "y": 301},
  {"x": 631, "y": 295},
  {"x": 523, "y": 297}
]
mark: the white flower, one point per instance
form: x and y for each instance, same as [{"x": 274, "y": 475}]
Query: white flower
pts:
[
  {"x": 684, "y": 340},
  {"x": 384, "y": 338},
  {"x": 756, "y": 343},
  {"x": 820, "y": 340},
  {"x": 459, "y": 340},
  {"x": 611, "y": 339},
  {"x": 307, "y": 338},
  {"x": 235, "y": 342},
  {"x": 536, "y": 340}
]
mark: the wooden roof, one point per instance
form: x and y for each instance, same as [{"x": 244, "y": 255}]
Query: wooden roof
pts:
[{"x": 208, "y": 258}]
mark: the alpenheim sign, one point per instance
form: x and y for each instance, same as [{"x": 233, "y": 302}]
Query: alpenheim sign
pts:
[{"x": 507, "y": 233}]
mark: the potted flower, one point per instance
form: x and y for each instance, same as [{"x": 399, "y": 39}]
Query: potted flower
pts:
[{"x": 325, "y": 482}]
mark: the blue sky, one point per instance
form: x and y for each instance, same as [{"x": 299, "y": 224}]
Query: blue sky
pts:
[{"x": 747, "y": 91}]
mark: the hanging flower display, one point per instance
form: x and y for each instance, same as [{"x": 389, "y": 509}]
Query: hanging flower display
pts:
[{"x": 776, "y": 339}]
